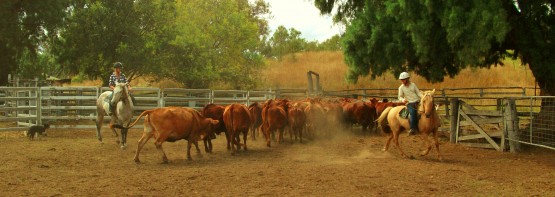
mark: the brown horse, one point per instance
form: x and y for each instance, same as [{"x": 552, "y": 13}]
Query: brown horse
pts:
[{"x": 428, "y": 123}]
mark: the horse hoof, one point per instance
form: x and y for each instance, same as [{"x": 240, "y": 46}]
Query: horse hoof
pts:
[{"x": 123, "y": 147}]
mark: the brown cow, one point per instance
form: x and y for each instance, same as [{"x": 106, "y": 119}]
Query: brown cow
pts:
[
  {"x": 172, "y": 124},
  {"x": 215, "y": 112},
  {"x": 255, "y": 110},
  {"x": 359, "y": 112},
  {"x": 315, "y": 119},
  {"x": 237, "y": 120},
  {"x": 380, "y": 106},
  {"x": 297, "y": 121},
  {"x": 274, "y": 117}
]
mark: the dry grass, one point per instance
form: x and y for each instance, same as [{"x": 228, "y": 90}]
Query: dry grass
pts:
[{"x": 291, "y": 73}]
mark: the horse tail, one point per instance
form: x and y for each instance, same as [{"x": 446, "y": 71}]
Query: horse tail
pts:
[
  {"x": 146, "y": 112},
  {"x": 382, "y": 120}
]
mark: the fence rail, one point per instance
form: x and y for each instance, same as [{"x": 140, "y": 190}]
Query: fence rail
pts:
[
  {"x": 480, "y": 92},
  {"x": 75, "y": 107}
]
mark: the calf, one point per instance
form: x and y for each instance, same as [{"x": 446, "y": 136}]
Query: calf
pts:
[{"x": 215, "y": 112}]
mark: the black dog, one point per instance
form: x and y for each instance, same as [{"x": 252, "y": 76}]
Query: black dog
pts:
[{"x": 37, "y": 129}]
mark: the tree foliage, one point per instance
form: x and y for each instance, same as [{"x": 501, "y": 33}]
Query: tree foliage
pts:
[
  {"x": 436, "y": 38},
  {"x": 289, "y": 41},
  {"x": 26, "y": 25},
  {"x": 101, "y": 32},
  {"x": 197, "y": 43}
]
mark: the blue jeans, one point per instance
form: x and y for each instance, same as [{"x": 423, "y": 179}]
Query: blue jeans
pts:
[{"x": 413, "y": 111}]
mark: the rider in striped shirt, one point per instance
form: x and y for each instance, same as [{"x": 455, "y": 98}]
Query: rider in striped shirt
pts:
[{"x": 119, "y": 77}]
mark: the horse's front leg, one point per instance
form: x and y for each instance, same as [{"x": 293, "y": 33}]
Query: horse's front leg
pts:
[
  {"x": 124, "y": 138},
  {"x": 396, "y": 141},
  {"x": 112, "y": 122},
  {"x": 99, "y": 120},
  {"x": 427, "y": 144},
  {"x": 436, "y": 144}
]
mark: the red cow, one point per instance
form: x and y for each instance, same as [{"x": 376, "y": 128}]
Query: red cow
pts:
[
  {"x": 358, "y": 112},
  {"x": 297, "y": 121},
  {"x": 237, "y": 120},
  {"x": 349, "y": 114},
  {"x": 274, "y": 117},
  {"x": 315, "y": 118},
  {"x": 380, "y": 106},
  {"x": 172, "y": 124},
  {"x": 255, "y": 110},
  {"x": 215, "y": 112}
]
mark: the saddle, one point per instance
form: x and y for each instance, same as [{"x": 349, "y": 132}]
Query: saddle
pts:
[{"x": 404, "y": 113}]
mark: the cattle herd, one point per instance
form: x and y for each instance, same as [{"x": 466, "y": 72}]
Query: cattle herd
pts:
[{"x": 310, "y": 119}]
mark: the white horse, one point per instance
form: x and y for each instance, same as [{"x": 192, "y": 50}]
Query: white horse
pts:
[{"x": 121, "y": 114}]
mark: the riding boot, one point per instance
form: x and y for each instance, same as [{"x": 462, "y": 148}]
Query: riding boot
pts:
[{"x": 412, "y": 132}]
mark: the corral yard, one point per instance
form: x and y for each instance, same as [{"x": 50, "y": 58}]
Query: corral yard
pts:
[{"x": 72, "y": 162}]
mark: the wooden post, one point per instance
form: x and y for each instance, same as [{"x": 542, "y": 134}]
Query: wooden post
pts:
[
  {"x": 454, "y": 104},
  {"x": 511, "y": 125},
  {"x": 318, "y": 88},
  {"x": 446, "y": 107},
  {"x": 310, "y": 86}
]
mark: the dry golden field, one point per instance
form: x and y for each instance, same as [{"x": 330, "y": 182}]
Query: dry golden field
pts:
[{"x": 291, "y": 71}]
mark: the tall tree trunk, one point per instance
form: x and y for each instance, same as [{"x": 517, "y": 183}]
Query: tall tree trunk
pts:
[{"x": 542, "y": 124}]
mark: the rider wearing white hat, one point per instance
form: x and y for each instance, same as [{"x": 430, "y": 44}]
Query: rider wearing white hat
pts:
[{"x": 409, "y": 93}]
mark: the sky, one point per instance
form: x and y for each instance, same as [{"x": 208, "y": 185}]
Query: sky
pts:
[{"x": 303, "y": 16}]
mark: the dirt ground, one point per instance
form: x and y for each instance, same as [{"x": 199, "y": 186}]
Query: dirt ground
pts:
[{"x": 73, "y": 163}]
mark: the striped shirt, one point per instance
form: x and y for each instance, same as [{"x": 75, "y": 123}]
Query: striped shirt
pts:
[{"x": 114, "y": 79}]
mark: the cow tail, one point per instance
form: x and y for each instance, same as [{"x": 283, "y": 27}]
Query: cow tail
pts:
[
  {"x": 382, "y": 120},
  {"x": 146, "y": 112}
]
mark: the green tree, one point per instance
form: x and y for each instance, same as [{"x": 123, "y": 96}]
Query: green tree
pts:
[
  {"x": 26, "y": 25},
  {"x": 101, "y": 32},
  {"x": 217, "y": 41},
  {"x": 331, "y": 44},
  {"x": 286, "y": 41},
  {"x": 436, "y": 38}
]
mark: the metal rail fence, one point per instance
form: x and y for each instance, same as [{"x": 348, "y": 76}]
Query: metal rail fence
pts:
[
  {"x": 536, "y": 122},
  {"x": 75, "y": 107}
]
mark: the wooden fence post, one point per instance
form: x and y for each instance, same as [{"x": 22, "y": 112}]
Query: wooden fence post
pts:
[
  {"x": 511, "y": 124},
  {"x": 310, "y": 86},
  {"x": 454, "y": 104}
]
